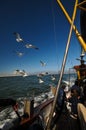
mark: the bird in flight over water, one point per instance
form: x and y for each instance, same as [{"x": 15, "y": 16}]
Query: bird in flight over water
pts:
[
  {"x": 40, "y": 80},
  {"x": 18, "y": 37},
  {"x": 42, "y": 63},
  {"x": 31, "y": 46},
  {"x": 20, "y": 54},
  {"x": 21, "y": 72}
]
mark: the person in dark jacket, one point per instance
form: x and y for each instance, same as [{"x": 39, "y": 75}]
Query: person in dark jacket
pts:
[
  {"x": 61, "y": 98},
  {"x": 60, "y": 105},
  {"x": 75, "y": 98}
]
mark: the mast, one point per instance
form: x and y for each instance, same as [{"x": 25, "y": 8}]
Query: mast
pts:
[
  {"x": 82, "y": 7},
  {"x": 78, "y": 35}
]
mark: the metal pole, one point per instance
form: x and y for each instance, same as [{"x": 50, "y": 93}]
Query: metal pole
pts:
[{"x": 62, "y": 68}]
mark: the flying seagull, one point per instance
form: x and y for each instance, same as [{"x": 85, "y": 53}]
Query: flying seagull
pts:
[
  {"x": 40, "y": 80},
  {"x": 18, "y": 37},
  {"x": 42, "y": 74},
  {"x": 20, "y": 54},
  {"x": 31, "y": 46},
  {"x": 21, "y": 72},
  {"x": 52, "y": 77},
  {"x": 42, "y": 63}
]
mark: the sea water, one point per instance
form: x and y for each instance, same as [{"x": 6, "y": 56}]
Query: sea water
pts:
[
  {"x": 18, "y": 86},
  {"x": 22, "y": 88}
]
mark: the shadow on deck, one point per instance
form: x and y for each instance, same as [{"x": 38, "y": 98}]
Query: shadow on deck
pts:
[{"x": 66, "y": 122}]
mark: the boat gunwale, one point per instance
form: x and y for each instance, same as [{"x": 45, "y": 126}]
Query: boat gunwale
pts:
[{"x": 37, "y": 111}]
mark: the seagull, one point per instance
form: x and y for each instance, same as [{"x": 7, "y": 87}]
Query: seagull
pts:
[
  {"x": 31, "y": 46},
  {"x": 42, "y": 74},
  {"x": 20, "y": 54},
  {"x": 52, "y": 77},
  {"x": 42, "y": 63},
  {"x": 18, "y": 38},
  {"x": 40, "y": 80},
  {"x": 21, "y": 72}
]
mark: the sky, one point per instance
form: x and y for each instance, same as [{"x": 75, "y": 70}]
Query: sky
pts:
[{"x": 41, "y": 23}]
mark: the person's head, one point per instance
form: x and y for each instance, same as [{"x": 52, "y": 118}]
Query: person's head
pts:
[
  {"x": 74, "y": 93},
  {"x": 63, "y": 86}
]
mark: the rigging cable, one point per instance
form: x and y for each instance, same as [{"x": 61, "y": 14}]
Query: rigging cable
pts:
[{"x": 54, "y": 28}]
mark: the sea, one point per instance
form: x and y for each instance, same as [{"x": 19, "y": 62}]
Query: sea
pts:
[
  {"x": 18, "y": 86},
  {"x": 23, "y": 88}
]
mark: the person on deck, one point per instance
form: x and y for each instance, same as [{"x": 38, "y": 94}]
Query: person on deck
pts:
[
  {"x": 75, "y": 99},
  {"x": 60, "y": 105},
  {"x": 76, "y": 87},
  {"x": 61, "y": 99}
]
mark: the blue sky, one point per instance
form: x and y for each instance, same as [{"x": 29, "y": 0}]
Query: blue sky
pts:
[{"x": 41, "y": 23}]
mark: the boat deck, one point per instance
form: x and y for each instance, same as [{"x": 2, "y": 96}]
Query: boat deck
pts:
[{"x": 66, "y": 122}]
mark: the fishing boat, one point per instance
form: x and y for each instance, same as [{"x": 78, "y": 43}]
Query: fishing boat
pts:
[{"x": 40, "y": 116}]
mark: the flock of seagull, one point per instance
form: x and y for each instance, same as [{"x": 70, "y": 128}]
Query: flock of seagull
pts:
[
  {"x": 23, "y": 73},
  {"x": 42, "y": 81},
  {"x": 19, "y": 39}
]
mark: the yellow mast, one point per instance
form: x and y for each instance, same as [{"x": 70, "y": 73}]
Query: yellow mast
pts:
[{"x": 79, "y": 37}]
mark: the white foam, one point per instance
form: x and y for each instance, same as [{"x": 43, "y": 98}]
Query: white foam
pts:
[{"x": 8, "y": 115}]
